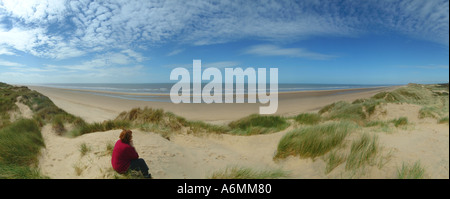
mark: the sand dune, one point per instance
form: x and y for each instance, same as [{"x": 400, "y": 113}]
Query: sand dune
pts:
[{"x": 198, "y": 156}]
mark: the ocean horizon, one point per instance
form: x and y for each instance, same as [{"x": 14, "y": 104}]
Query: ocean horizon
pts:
[{"x": 122, "y": 90}]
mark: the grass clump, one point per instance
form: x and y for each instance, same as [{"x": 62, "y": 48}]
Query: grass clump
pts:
[
  {"x": 359, "y": 111},
  {"x": 362, "y": 152},
  {"x": 401, "y": 121},
  {"x": 333, "y": 160},
  {"x": 313, "y": 141},
  {"x": 415, "y": 171},
  {"x": 58, "y": 125},
  {"x": 84, "y": 149},
  {"x": 258, "y": 124},
  {"x": 20, "y": 144},
  {"x": 412, "y": 94},
  {"x": 308, "y": 118},
  {"x": 429, "y": 111},
  {"x": 165, "y": 123},
  {"x": 443, "y": 120},
  {"x": 83, "y": 128},
  {"x": 248, "y": 173}
]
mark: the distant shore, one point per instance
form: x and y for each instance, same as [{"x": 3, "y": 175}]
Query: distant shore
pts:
[{"x": 95, "y": 106}]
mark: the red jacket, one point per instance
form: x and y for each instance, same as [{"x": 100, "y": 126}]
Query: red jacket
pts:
[{"x": 122, "y": 156}]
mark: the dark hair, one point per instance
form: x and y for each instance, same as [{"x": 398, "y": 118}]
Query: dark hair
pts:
[{"x": 125, "y": 136}]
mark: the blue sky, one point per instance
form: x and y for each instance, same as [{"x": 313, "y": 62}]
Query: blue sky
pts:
[{"x": 317, "y": 41}]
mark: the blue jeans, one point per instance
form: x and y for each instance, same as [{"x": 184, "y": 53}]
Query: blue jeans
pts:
[{"x": 139, "y": 165}]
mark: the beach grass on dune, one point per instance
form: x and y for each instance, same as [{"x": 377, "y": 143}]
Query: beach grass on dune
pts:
[
  {"x": 333, "y": 160},
  {"x": 308, "y": 118},
  {"x": 258, "y": 124},
  {"x": 236, "y": 172},
  {"x": 20, "y": 144},
  {"x": 165, "y": 123},
  {"x": 415, "y": 171},
  {"x": 401, "y": 121},
  {"x": 313, "y": 141},
  {"x": 83, "y": 127},
  {"x": 359, "y": 111},
  {"x": 443, "y": 120},
  {"x": 362, "y": 152}
]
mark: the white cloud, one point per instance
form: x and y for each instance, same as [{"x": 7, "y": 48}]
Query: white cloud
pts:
[
  {"x": 11, "y": 64},
  {"x": 220, "y": 65},
  {"x": 5, "y": 51},
  {"x": 175, "y": 52},
  {"x": 273, "y": 50},
  {"x": 63, "y": 29},
  {"x": 32, "y": 11},
  {"x": 104, "y": 61}
]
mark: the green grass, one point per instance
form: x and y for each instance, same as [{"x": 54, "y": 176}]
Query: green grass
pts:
[
  {"x": 415, "y": 171},
  {"x": 58, "y": 125},
  {"x": 363, "y": 151},
  {"x": 359, "y": 111},
  {"x": 109, "y": 148},
  {"x": 308, "y": 118},
  {"x": 165, "y": 123},
  {"x": 412, "y": 94},
  {"x": 429, "y": 112},
  {"x": 313, "y": 141},
  {"x": 401, "y": 121},
  {"x": 83, "y": 128},
  {"x": 20, "y": 144},
  {"x": 257, "y": 124},
  {"x": 248, "y": 173},
  {"x": 333, "y": 160},
  {"x": 84, "y": 149},
  {"x": 443, "y": 120}
]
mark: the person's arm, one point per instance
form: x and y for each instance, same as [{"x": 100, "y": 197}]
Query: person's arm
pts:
[{"x": 131, "y": 153}]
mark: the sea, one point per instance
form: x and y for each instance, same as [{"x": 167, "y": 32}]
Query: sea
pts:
[{"x": 160, "y": 91}]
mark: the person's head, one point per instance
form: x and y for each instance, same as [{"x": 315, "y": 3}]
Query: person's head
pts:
[{"x": 126, "y": 136}]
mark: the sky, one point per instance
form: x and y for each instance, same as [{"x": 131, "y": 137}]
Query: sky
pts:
[{"x": 142, "y": 41}]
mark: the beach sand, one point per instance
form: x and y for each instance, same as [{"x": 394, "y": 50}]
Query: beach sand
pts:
[
  {"x": 94, "y": 107},
  {"x": 198, "y": 156}
]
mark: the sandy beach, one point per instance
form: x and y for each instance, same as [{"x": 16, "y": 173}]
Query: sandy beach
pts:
[
  {"x": 93, "y": 107},
  {"x": 198, "y": 156}
]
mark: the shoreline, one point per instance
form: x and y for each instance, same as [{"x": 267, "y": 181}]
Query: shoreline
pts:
[
  {"x": 168, "y": 94},
  {"x": 95, "y": 107}
]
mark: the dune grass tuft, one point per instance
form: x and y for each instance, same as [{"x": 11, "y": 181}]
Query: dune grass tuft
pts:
[
  {"x": 333, "y": 159},
  {"x": 359, "y": 111},
  {"x": 429, "y": 112},
  {"x": 415, "y": 171},
  {"x": 362, "y": 152},
  {"x": 308, "y": 118},
  {"x": 165, "y": 123},
  {"x": 443, "y": 120},
  {"x": 83, "y": 128},
  {"x": 20, "y": 144},
  {"x": 313, "y": 141},
  {"x": 258, "y": 124},
  {"x": 84, "y": 149},
  {"x": 401, "y": 121},
  {"x": 236, "y": 172}
]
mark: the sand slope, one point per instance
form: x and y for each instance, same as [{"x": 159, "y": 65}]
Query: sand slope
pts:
[
  {"x": 185, "y": 156},
  {"x": 198, "y": 156},
  {"x": 190, "y": 156}
]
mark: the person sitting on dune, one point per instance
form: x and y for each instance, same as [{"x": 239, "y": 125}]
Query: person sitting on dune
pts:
[{"x": 125, "y": 157}]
